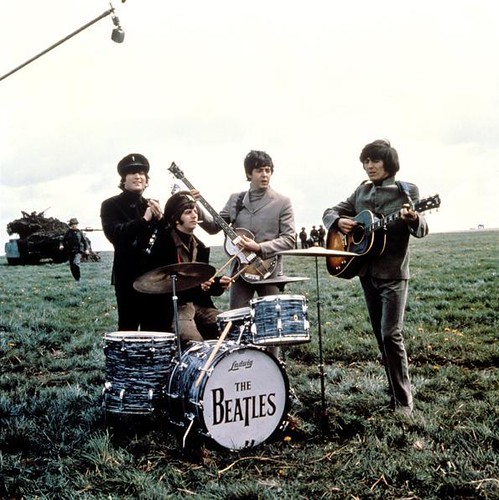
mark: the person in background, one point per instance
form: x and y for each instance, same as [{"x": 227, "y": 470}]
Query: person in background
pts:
[
  {"x": 130, "y": 222},
  {"x": 264, "y": 212},
  {"x": 176, "y": 244},
  {"x": 385, "y": 278},
  {"x": 75, "y": 245},
  {"x": 314, "y": 236},
  {"x": 303, "y": 238},
  {"x": 322, "y": 236}
]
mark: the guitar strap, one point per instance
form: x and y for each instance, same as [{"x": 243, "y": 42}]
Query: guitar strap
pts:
[
  {"x": 239, "y": 206},
  {"x": 404, "y": 189}
]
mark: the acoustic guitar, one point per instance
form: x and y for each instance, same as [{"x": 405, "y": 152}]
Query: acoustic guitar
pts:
[
  {"x": 253, "y": 268},
  {"x": 368, "y": 239}
]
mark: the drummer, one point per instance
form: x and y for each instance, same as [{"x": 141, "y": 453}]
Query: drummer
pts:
[{"x": 176, "y": 244}]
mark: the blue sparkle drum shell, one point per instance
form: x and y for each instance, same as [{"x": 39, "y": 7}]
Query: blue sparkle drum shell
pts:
[
  {"x": 279, "y": 320},
  {"x": 240, "y": 331},
  {"x": 137, "y": 368}
]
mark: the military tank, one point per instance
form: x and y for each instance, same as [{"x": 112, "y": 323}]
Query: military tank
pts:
[{"x": 39, "y": 239}]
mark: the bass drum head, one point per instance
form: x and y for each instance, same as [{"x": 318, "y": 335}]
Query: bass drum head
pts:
[{"x": 242, "y": 399}]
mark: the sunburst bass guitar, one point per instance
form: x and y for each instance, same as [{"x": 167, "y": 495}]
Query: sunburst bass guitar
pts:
[
  {"x": 368, "y": 239},
  {"x": 252, "y": 268}
]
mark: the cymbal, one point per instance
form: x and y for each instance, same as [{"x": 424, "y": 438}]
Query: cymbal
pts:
[
  {"x": 280, "y": 280},
  {"x": 187, "y": 275},
  {"x": 318, "y": 252}
]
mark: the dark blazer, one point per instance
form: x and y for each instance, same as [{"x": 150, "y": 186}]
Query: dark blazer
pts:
[
  {"x": 169, "y": 249},
  {"x": 125, "y": 227}
]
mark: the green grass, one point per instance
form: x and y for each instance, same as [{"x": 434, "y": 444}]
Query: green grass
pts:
[{"x": 56, "y": 441}]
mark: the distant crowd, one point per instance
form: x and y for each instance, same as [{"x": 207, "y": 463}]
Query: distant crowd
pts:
[{"x": 317, "y": 237}]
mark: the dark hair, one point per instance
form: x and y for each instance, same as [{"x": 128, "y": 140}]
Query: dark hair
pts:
[
  {"x": 121, "y": 185},
  {"x": 257, "y": 159},
  {"x": 382, "y": 150}
]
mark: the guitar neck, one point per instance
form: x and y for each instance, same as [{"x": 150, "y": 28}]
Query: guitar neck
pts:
[
  {"x": 420, "y": 206},
  {"x": 216, "y": 216},
  {"x": 379, "y": 223}
]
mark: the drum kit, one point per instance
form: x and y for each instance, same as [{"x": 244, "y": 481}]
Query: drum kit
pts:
[{"x": 232, "y": 391}]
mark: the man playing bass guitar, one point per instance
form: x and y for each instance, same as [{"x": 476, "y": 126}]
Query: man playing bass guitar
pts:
[
  {"x": 268, "y": 220},
  {"x": 384, "y": 275}
]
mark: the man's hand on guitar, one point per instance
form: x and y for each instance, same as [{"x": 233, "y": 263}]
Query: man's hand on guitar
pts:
[
  {"x": 346, "y": 225},
  {"x": 195, "y": 194},
  {"x": 407, "y": 214},
  {"x": 248, "y": 244}
]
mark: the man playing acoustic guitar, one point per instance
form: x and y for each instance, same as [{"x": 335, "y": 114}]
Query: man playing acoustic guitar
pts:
[{"x": 384, "y": 275}]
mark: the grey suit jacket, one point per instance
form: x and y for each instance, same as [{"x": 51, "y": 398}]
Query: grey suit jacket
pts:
[
  {"x": 270, "y": 219},
  {"x": 383, "y": 200}
]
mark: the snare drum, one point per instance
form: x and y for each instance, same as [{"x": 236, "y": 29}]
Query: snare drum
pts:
[
  {"x": 240, "y": 400},
  {"x": 240, "y": 330},
  {"x": 137, "y": 367},
  {"x": 279, "y": 320}
]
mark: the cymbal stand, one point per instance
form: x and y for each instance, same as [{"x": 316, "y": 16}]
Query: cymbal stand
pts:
[
  {"x": 173, "y": 278},
  {"x": 321, "y": 358}
]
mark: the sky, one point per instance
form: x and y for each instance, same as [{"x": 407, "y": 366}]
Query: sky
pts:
[{"x": 202, "y": 83}]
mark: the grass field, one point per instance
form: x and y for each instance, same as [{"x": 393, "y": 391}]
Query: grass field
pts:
[{"x": 57, "y": 441}]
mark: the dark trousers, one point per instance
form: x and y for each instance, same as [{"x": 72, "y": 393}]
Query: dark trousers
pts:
[
  {"x": 74, "y": 265},
  {"x": 140, "y": 311},
  {"x": 386, "y": 301}
]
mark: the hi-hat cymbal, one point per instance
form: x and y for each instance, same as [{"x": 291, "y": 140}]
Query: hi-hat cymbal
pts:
[
  {"x": 187, "y": 275},
  {"x": 280, "y": 280},
  {"x": 318, "y": 252}
]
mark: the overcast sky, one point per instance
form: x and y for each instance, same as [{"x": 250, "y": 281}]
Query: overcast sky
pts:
[{"x": 201, "y": 83}]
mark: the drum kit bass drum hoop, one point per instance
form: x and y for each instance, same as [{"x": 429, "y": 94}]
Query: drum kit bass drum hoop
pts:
[{"x": 233, "y": 391}]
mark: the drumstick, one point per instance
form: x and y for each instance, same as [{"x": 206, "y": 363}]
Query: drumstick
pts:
[
  {"x": 241, "y": 271},
  {"x": 226, "y": 264},
  {"x": 213, "y": 353}
]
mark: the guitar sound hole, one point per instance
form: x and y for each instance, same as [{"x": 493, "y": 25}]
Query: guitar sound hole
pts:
[{"x": 358, "y": 236}]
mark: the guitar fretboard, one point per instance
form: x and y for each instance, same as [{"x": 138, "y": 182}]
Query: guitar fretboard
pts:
[
  {"x": 420, "y": 206},
  {"x": 378, "y": 224}
]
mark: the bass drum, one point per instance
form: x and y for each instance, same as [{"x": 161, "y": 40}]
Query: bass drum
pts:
[{"x": 239, "y": 401}]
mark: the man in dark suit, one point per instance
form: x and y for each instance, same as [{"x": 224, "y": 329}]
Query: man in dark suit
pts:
[
  {"x": 385, "y": 278},
  {"x": 129, "y": 221}
]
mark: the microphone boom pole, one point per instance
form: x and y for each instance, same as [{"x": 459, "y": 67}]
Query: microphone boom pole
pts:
[{"x": 104, "y": 14}]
